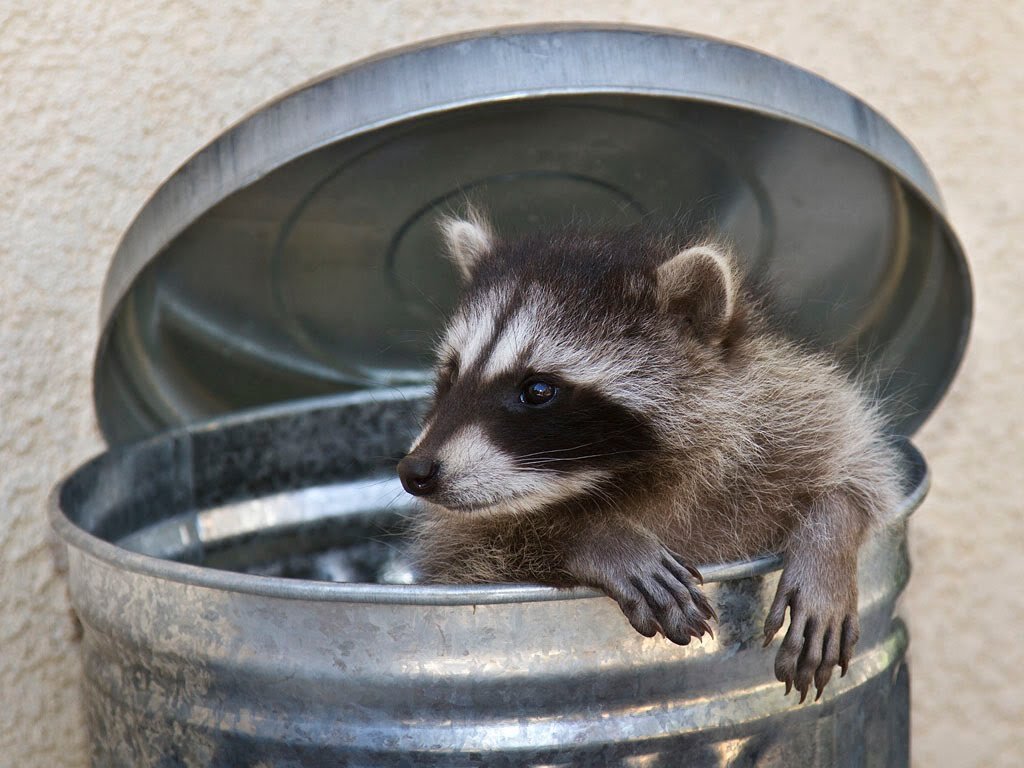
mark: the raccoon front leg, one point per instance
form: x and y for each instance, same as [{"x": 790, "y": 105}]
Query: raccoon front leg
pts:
[
  {"x": 819, "y": 586},
  {"x": 654, "y": 587}
]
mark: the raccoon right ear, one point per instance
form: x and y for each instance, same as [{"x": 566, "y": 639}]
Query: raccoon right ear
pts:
[
  {"x": 699, "y": 285},
  {"x": 467, "y": 240}
]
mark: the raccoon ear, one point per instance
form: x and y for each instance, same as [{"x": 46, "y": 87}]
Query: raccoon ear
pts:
[
  {"x": 700, "y": 286},
  {"x": 467, "y": 239}
]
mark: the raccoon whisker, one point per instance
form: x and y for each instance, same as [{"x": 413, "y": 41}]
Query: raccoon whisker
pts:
[
  {"x": 605, "y": 439},
  {"x": 558, "y": 460},
  {"x": 381, "y": 538},
  {"x": 563, "y": 450},
  {"x": 543, "y": 462},
  {"x": 596, "y": 495},
  {"x": 389, "y": 506}
]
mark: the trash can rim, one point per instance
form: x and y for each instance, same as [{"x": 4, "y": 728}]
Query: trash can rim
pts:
[{"x": 416, "y": 594}]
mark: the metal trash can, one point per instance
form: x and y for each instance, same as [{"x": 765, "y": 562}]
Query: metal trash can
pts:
[{"x": 241, "y": 581}]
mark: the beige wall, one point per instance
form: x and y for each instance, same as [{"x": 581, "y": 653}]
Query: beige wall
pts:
[{"x": 100, "y": 100}]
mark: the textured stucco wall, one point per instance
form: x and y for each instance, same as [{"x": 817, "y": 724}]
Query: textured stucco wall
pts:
[{"x": 99, "y": 101}]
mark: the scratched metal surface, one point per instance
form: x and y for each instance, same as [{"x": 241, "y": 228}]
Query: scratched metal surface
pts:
[{"x": 194, "y": 655}]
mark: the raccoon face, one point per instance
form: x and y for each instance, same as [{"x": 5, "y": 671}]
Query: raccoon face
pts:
[
  {"x": 520, "y": 420},
  {"x": 550, "y": 377}
]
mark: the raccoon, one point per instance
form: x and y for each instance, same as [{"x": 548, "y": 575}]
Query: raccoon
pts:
[{"x": 611, "y": 411}]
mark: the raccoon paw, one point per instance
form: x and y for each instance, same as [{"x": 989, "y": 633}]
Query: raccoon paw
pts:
[
  {"x": 662, "y": 595},
  {"x": 823, "y": 629}
]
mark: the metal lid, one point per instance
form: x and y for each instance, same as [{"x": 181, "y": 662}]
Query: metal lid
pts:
[{"x": 296, "y": 255}]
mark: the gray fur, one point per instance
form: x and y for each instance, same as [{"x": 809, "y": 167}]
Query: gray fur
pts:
[{"x": 756, "y": 444}]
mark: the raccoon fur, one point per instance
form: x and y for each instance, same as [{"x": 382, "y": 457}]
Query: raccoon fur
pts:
[{"x": 610, "y": 411}]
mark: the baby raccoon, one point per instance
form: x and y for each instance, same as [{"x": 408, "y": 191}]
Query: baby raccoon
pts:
[{"x": 609, "y": 412}]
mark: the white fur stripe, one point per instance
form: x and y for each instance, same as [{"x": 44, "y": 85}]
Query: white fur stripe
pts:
[
  {"x": 605, "y": 365},
  {"x": 606, "y": 368},
  {"x": 479, "y": 337},
  {"x": 476, "y": 473},
  {"x": 423, "y": 433},
  {"x": 514, "y": 340},
  {"x": 471, "y": 332},
  {"x": 470, "y": 448}
]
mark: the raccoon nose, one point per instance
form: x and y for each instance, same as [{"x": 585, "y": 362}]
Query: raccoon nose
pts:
[{"x": 419, "y": 475}]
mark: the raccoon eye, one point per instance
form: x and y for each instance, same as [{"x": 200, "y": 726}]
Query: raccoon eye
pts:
[{"x": 538, "y": 393}]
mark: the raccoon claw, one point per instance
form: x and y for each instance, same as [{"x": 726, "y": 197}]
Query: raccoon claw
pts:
[
  {"x": 672, "y": 560},
  {"x": 819, "y": 638},
  {"x": 665, "y": 598},
  {"x": 656, "y": 590}
]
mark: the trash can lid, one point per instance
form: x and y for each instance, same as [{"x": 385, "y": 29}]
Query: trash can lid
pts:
[{"x": 297, "y": 254}]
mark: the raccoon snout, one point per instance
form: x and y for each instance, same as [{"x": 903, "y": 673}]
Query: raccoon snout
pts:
[{"x": 418, "y": 475}]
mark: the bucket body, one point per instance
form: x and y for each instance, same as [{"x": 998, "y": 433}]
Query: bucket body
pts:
[{"x": 194, "y": 655}]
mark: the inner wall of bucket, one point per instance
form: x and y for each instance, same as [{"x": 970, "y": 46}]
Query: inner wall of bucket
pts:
[{"x": 305, "y": 491}]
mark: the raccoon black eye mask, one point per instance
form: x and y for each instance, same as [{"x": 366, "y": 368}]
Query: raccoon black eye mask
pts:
[{"x": 611, "y": 411}]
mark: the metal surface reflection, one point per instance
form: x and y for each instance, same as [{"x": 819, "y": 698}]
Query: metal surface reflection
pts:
[
  {"x": 195, "y": 655},
  {"x": 297, "y": 255}
]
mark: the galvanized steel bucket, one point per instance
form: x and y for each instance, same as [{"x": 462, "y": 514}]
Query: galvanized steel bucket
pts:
[
  {"x": 241, "y": 582},
  {"x": 193, "y": 665}
]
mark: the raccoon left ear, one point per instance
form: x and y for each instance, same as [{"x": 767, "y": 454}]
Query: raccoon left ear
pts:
[
  {"x": 468, "y": 240},
  {"x": 700, "y": 286}
]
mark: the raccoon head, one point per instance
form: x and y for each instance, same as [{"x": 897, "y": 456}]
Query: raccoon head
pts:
[{"x": 560, "y": 365}]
